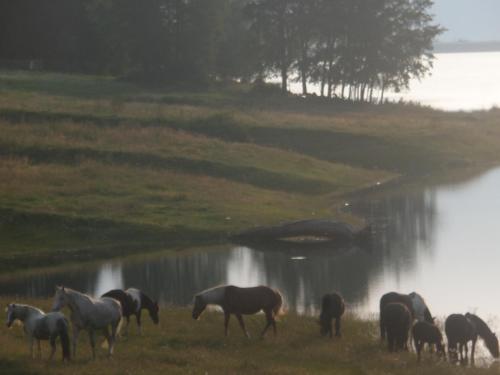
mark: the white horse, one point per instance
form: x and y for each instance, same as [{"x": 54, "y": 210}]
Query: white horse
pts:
[
  {"x": 40, "y": 326},
  {"x": 420, "y": 310},
  {"x": 90, "y": 314}
]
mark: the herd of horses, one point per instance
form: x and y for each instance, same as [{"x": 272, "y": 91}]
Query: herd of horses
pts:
[{"x": 402, "y": 317}]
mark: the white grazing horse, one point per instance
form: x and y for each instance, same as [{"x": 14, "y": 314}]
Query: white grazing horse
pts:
[
  {"x": 90, "y": 314},
  {"x": 40, "y": 326},
  {"x": 420, "y": 310}
]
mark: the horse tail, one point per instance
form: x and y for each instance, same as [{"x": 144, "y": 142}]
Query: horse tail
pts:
[
  {"x": 278, "y": 308},
  {"x": 62, "y": 328}
]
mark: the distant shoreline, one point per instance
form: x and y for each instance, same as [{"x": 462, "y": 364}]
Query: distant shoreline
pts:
[{"x": 467, "y": 47}]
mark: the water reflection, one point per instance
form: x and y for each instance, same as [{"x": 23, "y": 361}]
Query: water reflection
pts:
[{"x": 441, "y": 242}]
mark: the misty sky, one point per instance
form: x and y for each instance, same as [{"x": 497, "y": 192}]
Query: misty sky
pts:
[{"x": 473, "y": 20}]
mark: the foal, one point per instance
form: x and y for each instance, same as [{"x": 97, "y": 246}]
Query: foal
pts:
[
  {"x": 427, "y": 333},
  {"x": 332, "y": 306},
  {"x": 241, "y": 301},
  {"x": 133, "y": 301}
]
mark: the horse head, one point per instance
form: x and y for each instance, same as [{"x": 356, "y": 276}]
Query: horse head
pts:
[
  {"x": 492, "y": 345},
  {"x": 11, "y": 316},
  {"x": 60, "y": 298},
  {"x": 199, "y": 307},
  {"x": 153, "y": 312}
]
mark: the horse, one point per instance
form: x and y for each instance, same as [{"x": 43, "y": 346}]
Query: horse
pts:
[
  {"x": 41, "y": 326},
  {"x": 396, "y": 318},
  {"x": 427, "y": 333},
  {"x": 90, "y": 314},
  {"x": 241, "y": 301},
  {"x": 420, "y": 309},
  {"x": 413, "y": 301},
  {"x": 460, "y": 329},
  {"x": 133, "y": 301},
  {"x": 332, "y": 306}
]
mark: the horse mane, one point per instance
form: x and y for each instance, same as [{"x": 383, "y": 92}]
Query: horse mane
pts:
[
  {"x": 30, "y": 308},
  {"x": 211, "y": 292},
  {"x": 481, "y": 327},
  {"x": 146, "y": 301}
]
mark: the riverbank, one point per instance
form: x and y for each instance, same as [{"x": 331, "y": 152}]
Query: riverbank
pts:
[
  {"x": 93, "y": 167},
  {"x": 180, "y": 345}
]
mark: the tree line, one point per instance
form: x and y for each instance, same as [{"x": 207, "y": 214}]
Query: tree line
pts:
[{"x": 355, "y": 49}]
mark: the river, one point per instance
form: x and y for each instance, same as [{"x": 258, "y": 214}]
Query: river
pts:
[{"x": 441, "y": 241}]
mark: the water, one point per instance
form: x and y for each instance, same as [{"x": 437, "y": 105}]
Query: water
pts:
[
  {"x": 443, "y": 242},
  {"x": 459, "y": 81}
]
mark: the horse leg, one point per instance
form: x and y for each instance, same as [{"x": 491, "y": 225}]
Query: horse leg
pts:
[
  {"x": 390, "y": 342},
  {"x": 270, "y": 321},
  {"x": 242, "y": 325},
  {"x": 126, "y": 327},
  {"x": 114, "y": 329},
  {"x": 418, "y": 348},
  {"x": 92, "y": 342},
  {"x": 473, "y": 349},
  {"x": 138, "y": 318},
  {"x": 337, "y": 327},
  {"x": 226, "y": 322},
  {"x": 52, "y": 346},
  {"x": 105, "y": 333},
  {"x": 39, "y": 349},
  {"x": 382, "y": 330},
  {"x": 76, "y": 333}
]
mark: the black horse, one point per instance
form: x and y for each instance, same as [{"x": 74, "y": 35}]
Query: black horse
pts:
[
  {"x": 396, "y": 319},
  {"x": 427, "y": 333},
  {"x": 460, "y": 329},
  {"x": 393, "y": 297},
  {"x": 133, "y": 301},
  {"x": 332, "y": 307}
]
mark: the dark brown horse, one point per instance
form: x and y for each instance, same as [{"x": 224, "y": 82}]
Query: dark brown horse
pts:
[
  {"x": 459, "y": 331},
  {"x": 397, "y": 319},
  {"x": 241, "y": 301},
  {"x": 427, "y": 333},
  {"x": 393, "y": 297},
  {"x": 332, "y": 307}
]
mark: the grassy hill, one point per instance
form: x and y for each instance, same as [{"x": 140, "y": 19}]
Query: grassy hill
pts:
[{"x": 96, "y": 165}]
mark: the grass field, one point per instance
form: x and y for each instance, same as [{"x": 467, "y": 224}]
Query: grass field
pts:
[
  {"x": 180, "y": 345},
  {"x": 93, "y": 164}
]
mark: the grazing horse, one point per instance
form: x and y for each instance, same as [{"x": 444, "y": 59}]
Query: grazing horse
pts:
[
  {"x": 459, "y": 331},
  {"x": 40, "y": 326},
  {"x": 133, "y": 301},
  {"x": 241, "y": 301},
  {"x": 90, "y": 314},
  {"x": 396, "y": 318},
  {"x": 413, "y": 301},
  {"x": 482, "y": 329},
  {"x": 420, "y": 310},
  {"x": 332, "y": 306},
  {"x": 427, "y": 333}
]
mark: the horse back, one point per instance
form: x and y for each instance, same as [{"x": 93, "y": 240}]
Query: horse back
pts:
[
  {"x": 127, "y": 302},
  {"x": 332, "y": 304},
  {"x": 396, "y": 315},
  {"x": 249, "y": 300},
  {"x": 393, "y": 297},
  {"x": 459, "y": 329}
]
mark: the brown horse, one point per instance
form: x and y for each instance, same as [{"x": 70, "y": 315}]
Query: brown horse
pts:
[
  {"x": 332, "y": 306},
  {"x": 397, "y": 319},
  {"x": 393, "y": 297},
  {"x": 241, "y": 301},
  {"x": 427, "y": 333}
]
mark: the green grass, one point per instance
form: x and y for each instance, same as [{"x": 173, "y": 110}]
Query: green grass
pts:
[
  {"x": 91, "y": 164},
  {"x": 180, "y": 345}
]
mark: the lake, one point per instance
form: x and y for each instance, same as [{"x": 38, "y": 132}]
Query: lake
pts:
[
  {"x": 459, "y": 81},
  {"x": 441, "y": 241}
]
